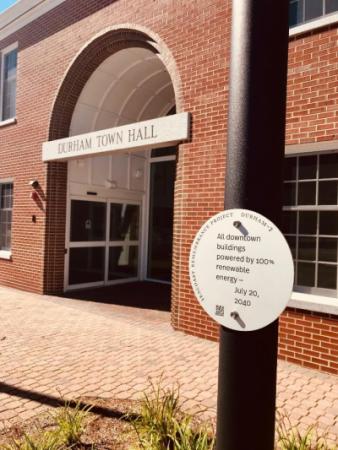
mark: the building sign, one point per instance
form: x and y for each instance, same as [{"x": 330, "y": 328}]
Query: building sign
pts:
[
  {"x": 241, "y": 269},
  {"x": 154, "y": 133}
]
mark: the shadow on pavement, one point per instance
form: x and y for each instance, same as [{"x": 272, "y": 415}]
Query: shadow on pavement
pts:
[{"x": 56, "y": 402}]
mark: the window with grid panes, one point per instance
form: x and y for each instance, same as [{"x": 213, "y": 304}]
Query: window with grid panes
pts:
[
  {"x": 310, "y": 220},
  {"x": 6, "y": 205},
  {"x": 301, "y": 11},
  {"x": 8, "y": 84}
]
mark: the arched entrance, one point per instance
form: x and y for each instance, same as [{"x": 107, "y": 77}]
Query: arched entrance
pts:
[{"x": 118, "y": 207}]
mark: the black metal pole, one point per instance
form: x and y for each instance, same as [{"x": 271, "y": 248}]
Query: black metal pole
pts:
[{"x": 255, "y": 150}]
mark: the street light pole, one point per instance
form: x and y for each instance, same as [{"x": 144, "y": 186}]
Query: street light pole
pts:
[{"x": 255, "y": 152}]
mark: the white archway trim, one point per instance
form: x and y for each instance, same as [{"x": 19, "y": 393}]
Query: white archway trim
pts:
[
  {"x": 130, "y": 85},
  {"x": 155, "y": 41}
]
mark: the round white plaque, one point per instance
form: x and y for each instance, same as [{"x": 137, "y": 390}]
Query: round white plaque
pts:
[{"x": 241, "y": 269}]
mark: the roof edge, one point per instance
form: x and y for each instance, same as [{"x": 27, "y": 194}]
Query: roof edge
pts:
[{"x": 22, "y": 13}]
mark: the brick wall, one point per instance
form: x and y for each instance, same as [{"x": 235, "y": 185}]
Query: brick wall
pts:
[
  {"x": 310, "y": 339},
  {"x": 306, "y": 338},
  {"x": 192, "y": 37},
  {"x": 312, "y": 87},
  {"x": 199, "y": 189},
  {"x": 47, "y": 48}
]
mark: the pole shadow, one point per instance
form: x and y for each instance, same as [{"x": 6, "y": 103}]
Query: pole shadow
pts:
[{"x": 56, "y": 402}]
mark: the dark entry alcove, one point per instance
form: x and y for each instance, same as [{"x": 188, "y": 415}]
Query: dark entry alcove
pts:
[{"x": 141, "y": 294}]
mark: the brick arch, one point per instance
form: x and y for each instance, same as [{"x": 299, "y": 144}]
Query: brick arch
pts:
[
  {"x": 90, "y": 57},
  {"x": 87, "y": 60}
]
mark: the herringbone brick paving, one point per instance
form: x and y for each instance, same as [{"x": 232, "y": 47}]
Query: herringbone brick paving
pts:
[{"x": 52, "y": 346}]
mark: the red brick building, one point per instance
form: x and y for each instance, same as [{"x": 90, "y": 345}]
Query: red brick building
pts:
[{"x": 130, "y": 212}]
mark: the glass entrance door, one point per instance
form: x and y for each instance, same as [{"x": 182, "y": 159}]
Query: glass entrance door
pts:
[
  {"x": 123, "y": 241},
  {"x": 105, "y": 235},
  {"x": 161, "y": 209},
  {"x": 87, "y": 242},
  {"x": 103, "y": 243}
]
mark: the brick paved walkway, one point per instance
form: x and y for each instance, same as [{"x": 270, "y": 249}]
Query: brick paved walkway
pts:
[{"x": 50, "y": 345}]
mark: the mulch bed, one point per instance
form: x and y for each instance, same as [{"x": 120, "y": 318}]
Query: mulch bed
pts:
[{"x": 102, "y": 432}]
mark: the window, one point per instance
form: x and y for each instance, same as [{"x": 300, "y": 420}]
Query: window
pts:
[
  {"x": 8, "y": 83},
  {"x": 310, "y": 220},
  {"x": 6, "y": 205},
  {"x": 301, "y": 11}
]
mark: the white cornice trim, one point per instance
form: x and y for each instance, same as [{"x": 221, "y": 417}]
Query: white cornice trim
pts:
[
  {"x": 22, "y": 13},
  {"x": 314, "y": 24}
]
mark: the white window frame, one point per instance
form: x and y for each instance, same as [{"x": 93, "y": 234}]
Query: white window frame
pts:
[
  {"x": 311, "y": 301},
  {"x": 320, "y": 22},
  {"x": 6, "y": 254},
  {"x": 5, "y": 52}
]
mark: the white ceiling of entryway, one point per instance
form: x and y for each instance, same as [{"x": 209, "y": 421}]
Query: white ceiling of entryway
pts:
[{"x": 130, "y": 86}]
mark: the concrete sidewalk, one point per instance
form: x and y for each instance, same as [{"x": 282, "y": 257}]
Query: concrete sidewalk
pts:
[{"x": 51, "y": 346}]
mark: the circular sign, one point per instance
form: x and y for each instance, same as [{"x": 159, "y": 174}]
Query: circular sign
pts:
[{"x": 241, "y": 269}]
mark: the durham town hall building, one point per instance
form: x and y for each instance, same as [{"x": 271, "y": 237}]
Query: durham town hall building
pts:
[{"x": 113, "y": 123}]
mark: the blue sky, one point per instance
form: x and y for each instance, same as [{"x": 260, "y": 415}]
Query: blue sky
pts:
[{"x": 4, "y": 4}]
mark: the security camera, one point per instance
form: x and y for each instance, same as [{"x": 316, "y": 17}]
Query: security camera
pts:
[{"x": 34, "y": 184}]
